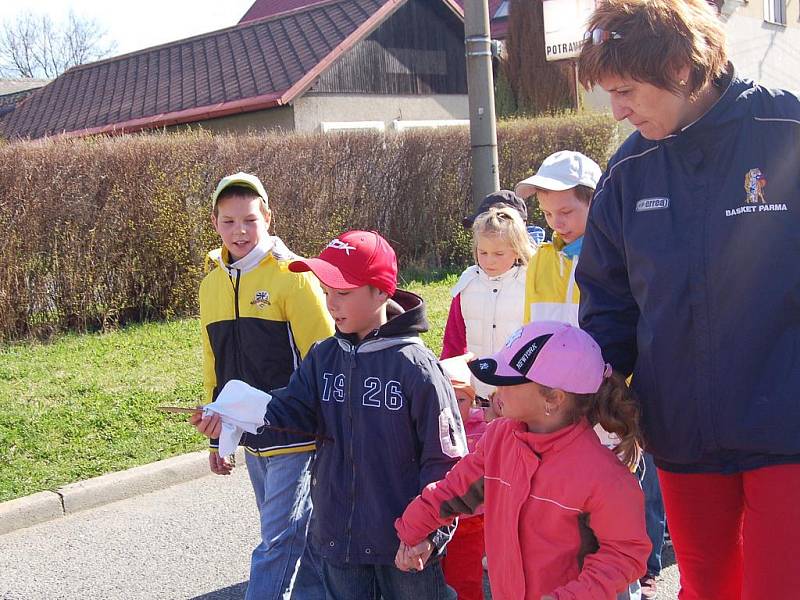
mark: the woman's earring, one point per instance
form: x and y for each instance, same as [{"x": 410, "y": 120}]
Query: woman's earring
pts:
[
  {"x": 547, "y": 408},
  {"x": 682, "y": 82}
]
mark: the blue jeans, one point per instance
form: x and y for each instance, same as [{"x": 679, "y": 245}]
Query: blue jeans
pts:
[
  {"x": 655, "y": 519},
  {"x": 282, "y": 566},
  {"x": 373, "y": 582}
]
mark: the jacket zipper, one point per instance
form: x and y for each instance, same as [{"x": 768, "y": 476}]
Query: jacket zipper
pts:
[
  {"x": 236, "y": 334},
  {"x": 349, "y": 400},
  {"x": 237, "y": 342}
]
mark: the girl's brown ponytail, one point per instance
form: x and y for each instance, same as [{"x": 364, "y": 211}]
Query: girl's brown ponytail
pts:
[{"x": 615, "y": 408}]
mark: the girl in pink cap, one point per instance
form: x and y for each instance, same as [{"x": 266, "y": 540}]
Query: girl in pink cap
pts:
[{"x": 564, "y": 518}]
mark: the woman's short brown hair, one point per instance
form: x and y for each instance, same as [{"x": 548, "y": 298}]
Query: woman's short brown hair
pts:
[{"x": 656, "y": 39}]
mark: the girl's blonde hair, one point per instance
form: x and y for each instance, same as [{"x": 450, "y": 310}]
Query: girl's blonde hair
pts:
[
  {"x": 616, "y": 409},
  {"x": 506, "y": 223}
]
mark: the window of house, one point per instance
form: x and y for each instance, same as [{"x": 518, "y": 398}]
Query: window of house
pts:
[{"x": 775, "y": 11}]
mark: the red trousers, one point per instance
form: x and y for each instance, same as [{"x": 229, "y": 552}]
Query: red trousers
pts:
[
  {"x": 736, "y": 537},
  {"x": 463, "y": 568}
]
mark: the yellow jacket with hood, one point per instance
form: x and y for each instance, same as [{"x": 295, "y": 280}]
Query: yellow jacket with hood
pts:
[
  {"x": 550, "y": 290},
  {"x": 258, "y": 321}
]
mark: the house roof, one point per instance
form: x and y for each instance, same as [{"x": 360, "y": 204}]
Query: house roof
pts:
[
  {"x": 14, "y": 86},
  {"x": 13, "y": 91},
  {"x": 266, "y": 8},
  {"x": 255, "y": 65}
]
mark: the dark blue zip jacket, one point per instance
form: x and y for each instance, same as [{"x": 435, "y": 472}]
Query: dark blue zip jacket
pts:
[
  {"x": 388, "y": 425},
  {"x": 690, "y": 280}
]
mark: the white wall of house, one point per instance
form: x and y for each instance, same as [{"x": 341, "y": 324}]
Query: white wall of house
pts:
[
  {"x": 273, "y": 119},
  {"x": 767, "y": 52},
  {"x": 310, "y": 110}
]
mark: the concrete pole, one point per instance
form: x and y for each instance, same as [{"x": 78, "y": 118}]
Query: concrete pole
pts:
[{"x": 482, "y": 123}]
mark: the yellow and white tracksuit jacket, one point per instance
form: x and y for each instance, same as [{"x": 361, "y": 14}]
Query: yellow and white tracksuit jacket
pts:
[
  {"x": 552, "y": 295},
  {"x": 258, "y": 321},
  {"x": 550, "y": 290}
]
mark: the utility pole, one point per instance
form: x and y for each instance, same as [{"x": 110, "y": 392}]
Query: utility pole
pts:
[{"x": 480, "y": 86}]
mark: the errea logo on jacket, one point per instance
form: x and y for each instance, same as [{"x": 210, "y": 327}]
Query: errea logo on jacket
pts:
[{"x": 646, "y": 204}]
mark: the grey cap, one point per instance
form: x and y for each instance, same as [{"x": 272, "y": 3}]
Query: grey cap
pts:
[{"x": 500, "y": 198}]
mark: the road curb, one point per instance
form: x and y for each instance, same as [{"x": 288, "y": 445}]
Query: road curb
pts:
[
  {"x": 75, "y": 497},
  {"x": 30, "y": 510}
]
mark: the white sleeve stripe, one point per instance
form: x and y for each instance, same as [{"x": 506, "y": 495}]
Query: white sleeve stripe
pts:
[
  {"x": 497, "y": 479},
  {"x": 556, "y": 503},
  {"x": 777, "y": 120}
]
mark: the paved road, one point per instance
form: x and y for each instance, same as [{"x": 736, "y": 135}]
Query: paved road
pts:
[{"x": 189, "y": 541}]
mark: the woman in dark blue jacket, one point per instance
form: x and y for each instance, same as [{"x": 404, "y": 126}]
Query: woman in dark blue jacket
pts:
[{"x": 690, "y": 280}]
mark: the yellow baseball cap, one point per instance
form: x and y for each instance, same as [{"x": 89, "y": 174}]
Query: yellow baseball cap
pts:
[{"x": 244, "y": 179}]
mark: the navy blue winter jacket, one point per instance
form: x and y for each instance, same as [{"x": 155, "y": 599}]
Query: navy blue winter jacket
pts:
[
  {"x": 389, "y": 425},
  {"x": 690, "y": 279}
]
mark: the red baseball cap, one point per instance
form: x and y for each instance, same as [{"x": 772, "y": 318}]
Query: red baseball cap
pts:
[{"x": 352, "y": 260}]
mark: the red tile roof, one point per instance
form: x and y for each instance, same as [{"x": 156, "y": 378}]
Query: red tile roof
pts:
[
  {"x": 252, "y": 66},
  {"x": 493, "y": 5},
  {"x": 268, "y": 8},
  {"x": 498, "y": 27}
]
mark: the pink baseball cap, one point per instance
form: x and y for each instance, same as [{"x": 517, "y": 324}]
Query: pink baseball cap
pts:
[
  {"x": 550, "y": 353},
  {"x": 354, "y": 259}
]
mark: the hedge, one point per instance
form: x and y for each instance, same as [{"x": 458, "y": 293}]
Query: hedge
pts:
[{"x": 104, "y": 230}]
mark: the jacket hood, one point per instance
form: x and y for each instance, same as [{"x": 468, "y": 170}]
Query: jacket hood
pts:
[
  {"x": 407, "y": 318},
  {"x": 271, "y": 245},
  {"x": 732, "y": 105}
]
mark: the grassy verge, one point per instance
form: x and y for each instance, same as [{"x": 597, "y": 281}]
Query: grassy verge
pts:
[{"x": 84, "y": 405}]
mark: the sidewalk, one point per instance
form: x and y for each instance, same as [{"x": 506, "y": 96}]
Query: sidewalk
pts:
[
  {"x": 186, "y": 541},
  {"x": 171, "y": 534},
  {"x": 83, "y": 495}
]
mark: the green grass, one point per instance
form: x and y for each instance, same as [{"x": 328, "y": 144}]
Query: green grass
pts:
[{"x": 84, "y": 405}]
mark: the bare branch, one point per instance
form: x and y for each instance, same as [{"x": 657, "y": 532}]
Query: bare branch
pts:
[{"x": 34, "y": 46}]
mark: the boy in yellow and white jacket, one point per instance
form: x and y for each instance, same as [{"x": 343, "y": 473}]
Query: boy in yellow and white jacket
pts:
[
  {"x": 258, "y": 321},
  {"x": 563, "y": 185}
]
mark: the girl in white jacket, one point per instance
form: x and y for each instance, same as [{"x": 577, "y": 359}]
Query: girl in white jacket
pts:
[
  {"x": 489, "y": 298},
  {"x": 487, "y": 306}
]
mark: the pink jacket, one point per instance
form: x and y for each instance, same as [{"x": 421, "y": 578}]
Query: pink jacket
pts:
[
  {"x": 563, "y": 516},
  {"x": 475, "y": 427}
]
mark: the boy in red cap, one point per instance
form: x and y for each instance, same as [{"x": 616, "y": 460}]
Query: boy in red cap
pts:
[{"x": 386, "y": 419}]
